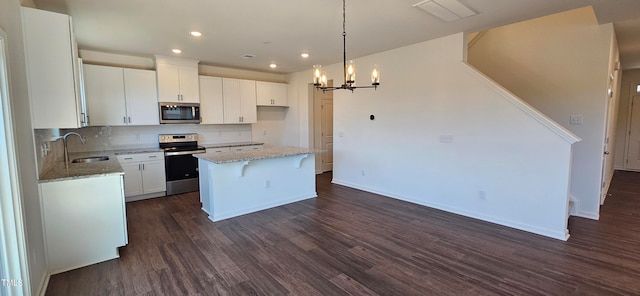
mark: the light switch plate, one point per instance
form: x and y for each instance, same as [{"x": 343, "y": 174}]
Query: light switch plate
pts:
[
  {"x": 575, "y": 119},
  {"x": 446, "y": 138}
]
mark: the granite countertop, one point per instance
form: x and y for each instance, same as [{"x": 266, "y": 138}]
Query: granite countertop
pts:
[
  {"x": 61, "y": 172},
  {"x": 234, "y": 144},
  {"x": 248, "y": 155},
  {"x": 135, "y": 151}
]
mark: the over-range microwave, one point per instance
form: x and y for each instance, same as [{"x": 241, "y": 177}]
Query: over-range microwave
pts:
[{"x": 179, "y": 112}]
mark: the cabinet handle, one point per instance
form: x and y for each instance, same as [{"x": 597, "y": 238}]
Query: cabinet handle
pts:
[
  {"x": 124, "y": 119},
  {"x": 88, "y": 120},
  {"x": 129, "y": 119},
  {"x": 152, "y": 156},
  {"x": 143, "y": 166},
  {"x": 139, "y": 167},
  {"x": 128, "y": 158}
]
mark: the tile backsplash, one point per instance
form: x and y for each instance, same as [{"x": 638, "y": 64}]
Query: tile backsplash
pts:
[
  {"x": 131, "y": 137},
  {"x": 127, "y": 137}
]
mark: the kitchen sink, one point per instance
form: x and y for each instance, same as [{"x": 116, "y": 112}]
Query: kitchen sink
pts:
[{"x": 90, "y": 159}]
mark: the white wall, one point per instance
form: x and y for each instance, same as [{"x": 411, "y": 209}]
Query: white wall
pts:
[
  {"x": 630, "y": 79},
  {"x": 499, "y": 150},
  {"x": 10, "y": 21},
  {"x": 559, "y": 64}
]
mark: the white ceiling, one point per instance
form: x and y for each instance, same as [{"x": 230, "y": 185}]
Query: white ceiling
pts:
[{"x": 279, "y": 30}]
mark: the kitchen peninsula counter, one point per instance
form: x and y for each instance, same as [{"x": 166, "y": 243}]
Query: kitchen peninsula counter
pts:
[{"x": 235, "y": 183}]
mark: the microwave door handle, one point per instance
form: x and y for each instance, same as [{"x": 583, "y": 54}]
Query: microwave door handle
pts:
[{"x": 193, "y": 112}]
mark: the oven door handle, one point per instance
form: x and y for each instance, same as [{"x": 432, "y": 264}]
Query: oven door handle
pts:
[{"x": 184, "y": 152}]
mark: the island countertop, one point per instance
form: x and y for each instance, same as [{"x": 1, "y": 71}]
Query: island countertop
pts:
[{"x": 248, "y": 155}]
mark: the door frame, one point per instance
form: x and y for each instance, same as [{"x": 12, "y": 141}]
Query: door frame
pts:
[{"x": 13, "y": 250}]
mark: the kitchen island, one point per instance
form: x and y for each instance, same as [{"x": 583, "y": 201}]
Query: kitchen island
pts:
[{"x": 234, "y": 183}]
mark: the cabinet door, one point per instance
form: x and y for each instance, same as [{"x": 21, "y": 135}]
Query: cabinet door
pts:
[
  {"x": 84, "y": 227},
  {"x": 189, "y": 91},
  {"x": 141, "y": 97},
  {"x": 50, "y": 63},
  {"x": 211, "y": 106},
  {"x": 231, "y": 100},
  {"x": 168, "y": 78},
  {"x": 104, "y": 87},
  {"x": 248, "y": 107},
  {"x": 132, "y": 178},
  {"x": 263, "y": 93},
  {"x": 153, "y": 176},
  {"x": 279, "y": 94}
]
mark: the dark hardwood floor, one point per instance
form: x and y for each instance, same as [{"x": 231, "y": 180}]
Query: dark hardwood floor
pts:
[{"x": 349, "y": 242}]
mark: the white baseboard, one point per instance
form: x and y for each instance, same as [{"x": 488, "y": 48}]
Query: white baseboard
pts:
[
  {"x": 588, "y": 215},
  {"x": 44, "y": 283},
  {"x": 561, "y": 235}
]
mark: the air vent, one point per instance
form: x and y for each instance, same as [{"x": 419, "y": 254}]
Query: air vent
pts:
[
  {"x": 248, "y": 56},
  {"x": 446, "y": 10}
]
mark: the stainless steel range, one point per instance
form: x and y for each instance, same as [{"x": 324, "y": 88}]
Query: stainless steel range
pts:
[{"x": 181, "y": 168}]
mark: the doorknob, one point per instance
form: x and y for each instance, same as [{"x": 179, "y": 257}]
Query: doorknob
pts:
[{"x": 606, "y": 153}]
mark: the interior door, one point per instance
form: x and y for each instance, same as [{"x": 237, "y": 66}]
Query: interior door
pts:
[
  {"x": 323, "y": 127},
  {"x": 327, "y": 133},
  {"x": 609, "y": 142},
  {"x": 633, "y": 147}
]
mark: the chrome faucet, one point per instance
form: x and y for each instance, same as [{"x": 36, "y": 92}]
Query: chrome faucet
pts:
[{"x": 64, "y": 141}]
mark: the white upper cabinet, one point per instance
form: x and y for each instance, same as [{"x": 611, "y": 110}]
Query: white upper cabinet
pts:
[
  {"x": 177, "y": 80},
  {"x": 117, "y": 96},
  {"x": 104, "y": 91},
  {"x": 52, "y": 70},
  {"x": 211, "y": 106},
  {"x": 141, "y": 97},
  {"x": 271, "y": 94},
  {"x": 239, "y": 99}
]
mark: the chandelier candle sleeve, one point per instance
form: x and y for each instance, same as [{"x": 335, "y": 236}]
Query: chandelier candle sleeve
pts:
[
  {"x": 351, "y": 72},
  {"x": 375, "y": 75},
  {"x": 317, "y": 74}
]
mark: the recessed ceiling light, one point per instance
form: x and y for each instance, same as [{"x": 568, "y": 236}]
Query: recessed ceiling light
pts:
[
  {"x": 273, "y": 66},
  {"x": 304, "y": 55},
  {"x": 176, "y": 50},
  {"x": 195, "y": 33}
]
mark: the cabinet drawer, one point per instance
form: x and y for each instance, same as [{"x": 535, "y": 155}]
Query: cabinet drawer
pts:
[
  {"x": 244, "y": 148},
  {"x": 218, "y": 150},
  {"x": 136, "y": 157}
]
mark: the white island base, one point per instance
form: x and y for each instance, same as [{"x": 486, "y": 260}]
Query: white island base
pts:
[{"x": 238, "y": 183}]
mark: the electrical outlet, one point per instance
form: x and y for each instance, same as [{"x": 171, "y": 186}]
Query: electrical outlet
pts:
[
  {"x": 264, "y": 132},
  {"x": 482, "y": 195},
  {"x": 267, "y": 183},
  {"x": 362, "y": 172}
]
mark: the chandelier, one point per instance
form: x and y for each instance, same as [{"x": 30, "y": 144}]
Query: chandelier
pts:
[{"x": 320, "y": 77}]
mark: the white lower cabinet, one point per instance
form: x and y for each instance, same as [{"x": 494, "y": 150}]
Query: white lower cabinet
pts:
[
  {"x": 144, "y": 175},
  {"x": 84, "y": 221}
]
